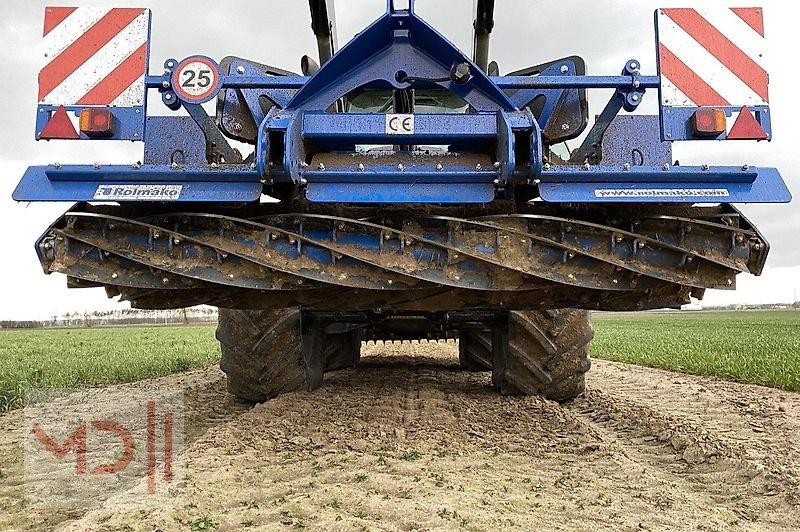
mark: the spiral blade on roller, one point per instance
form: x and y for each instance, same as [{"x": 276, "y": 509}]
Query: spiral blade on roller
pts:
[{"x": 441, "y": 261}]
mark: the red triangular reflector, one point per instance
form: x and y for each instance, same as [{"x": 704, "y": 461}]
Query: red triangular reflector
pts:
[
  {"x": 59, "y": 127},
  {"x": 747, "y": 127}
]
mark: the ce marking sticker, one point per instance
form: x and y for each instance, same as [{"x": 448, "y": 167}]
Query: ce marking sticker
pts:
[
  {"x": 397, "y": 124},
  {"x": 197, "y": 79}
]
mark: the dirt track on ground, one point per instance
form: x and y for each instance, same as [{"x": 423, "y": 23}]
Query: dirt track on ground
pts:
[{"x": 409, "y": 442}]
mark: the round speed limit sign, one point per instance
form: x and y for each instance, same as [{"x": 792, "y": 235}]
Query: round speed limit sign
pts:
[{"x": 196, "y": 79}]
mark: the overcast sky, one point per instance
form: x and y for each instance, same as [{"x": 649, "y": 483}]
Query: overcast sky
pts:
[{"x": 275, "y": 32}]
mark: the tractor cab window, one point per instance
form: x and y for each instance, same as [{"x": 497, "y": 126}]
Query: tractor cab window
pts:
[
  {"x": 370, "y": 101},
  {"x": 425, "y": 101},
  {"x": 438, "y": 101}
]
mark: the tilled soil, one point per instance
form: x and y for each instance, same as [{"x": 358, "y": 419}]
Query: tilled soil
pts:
[{"x": 409, "y": 442}]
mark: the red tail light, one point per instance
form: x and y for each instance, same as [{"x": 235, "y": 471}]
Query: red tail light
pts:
[
  {"x": 97, "y": 122},
  {"x": 709, "y": 122}
]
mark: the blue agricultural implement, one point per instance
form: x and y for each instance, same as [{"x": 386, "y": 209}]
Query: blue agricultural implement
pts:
[{"x": 399, "y": 189}]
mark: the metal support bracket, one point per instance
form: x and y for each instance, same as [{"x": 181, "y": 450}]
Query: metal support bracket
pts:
[
  {"x": 218, "y": 150},
  {"x": 627, "y": 98}
]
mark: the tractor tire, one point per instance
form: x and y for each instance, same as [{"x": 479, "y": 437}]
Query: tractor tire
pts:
[
  {"x": 265, "y": 354},
  {"x": 473, "y": 355},
  {"x": 544, "y": 353}
]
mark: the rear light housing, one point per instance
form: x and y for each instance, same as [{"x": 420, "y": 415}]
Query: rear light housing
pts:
[
  {"x": 97, "y": 123},
  {"x": 709, "y": 122}
]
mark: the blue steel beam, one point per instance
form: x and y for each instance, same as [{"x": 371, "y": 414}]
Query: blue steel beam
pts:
[
  {"x": 458, "y": 193},
  {"x": 371, "y": 129},
  {"x": 148, "y": 173},
  {"x": 768, "y": 187},
  {"x": 36, "y": 186},
  {"x": 426, "y": 173},
  {"x": 644, "y": 174},
  {"x": 502, "y": 82}
]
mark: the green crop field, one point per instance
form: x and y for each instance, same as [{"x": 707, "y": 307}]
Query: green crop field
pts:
[
  {"x": 759, "y": 347},
  {"x": 70, "y": 358}
]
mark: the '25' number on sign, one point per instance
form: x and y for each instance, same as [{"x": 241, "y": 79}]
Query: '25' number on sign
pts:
[
  {"x": 202, "y": 77},
  {"x": 197, "y": 79}
]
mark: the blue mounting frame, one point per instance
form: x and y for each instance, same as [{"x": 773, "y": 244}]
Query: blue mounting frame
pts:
[{"x": 401, "y": 51}]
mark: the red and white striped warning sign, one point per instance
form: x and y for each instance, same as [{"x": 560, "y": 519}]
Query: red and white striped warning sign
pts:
[
  {"x": 94, "y": 56},
  {"x": 712, "y": 56}
]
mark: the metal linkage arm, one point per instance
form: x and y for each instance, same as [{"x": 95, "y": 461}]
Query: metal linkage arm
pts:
[
  {"x": 482, "y": 30},
  {"x": 323, "y": 22}
]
